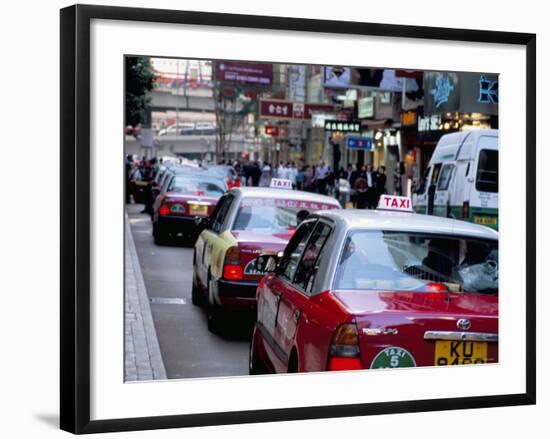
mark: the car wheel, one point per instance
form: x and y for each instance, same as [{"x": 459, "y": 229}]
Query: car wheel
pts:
[
  {"x": 255, "y": 366},
  {"x": 214, "y": 312}
]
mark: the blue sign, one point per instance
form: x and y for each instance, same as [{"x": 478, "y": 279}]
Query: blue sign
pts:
[
  {"x": 358, "y": 142},
  {"x": 488, "y": 91},
  {"x": 442, "y": 90}
]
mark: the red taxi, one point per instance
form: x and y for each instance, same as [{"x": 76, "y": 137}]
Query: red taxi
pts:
[
  {"x": 378, "y": 289},
  {"x": 247, "y": 222},
  {"x": 185, "y": 196}
]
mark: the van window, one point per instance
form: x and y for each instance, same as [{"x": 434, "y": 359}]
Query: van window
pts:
[
  {"x": 422, "y": 187},
  {"x": 435, "y": 173},
  {"x": 445, "y": 177},
  {"x": 487, "y": 171}
]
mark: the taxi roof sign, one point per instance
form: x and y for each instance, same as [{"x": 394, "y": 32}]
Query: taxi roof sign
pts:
[
  {"x": 395, "y": 203},
  {"x": 280, "y": 183}
]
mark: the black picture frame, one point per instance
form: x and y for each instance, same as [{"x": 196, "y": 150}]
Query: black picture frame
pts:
[{"x": 75, "y": 217}]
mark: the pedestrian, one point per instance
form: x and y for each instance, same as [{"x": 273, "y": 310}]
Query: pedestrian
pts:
[
  {"x": 148, "y": 175},
  {"x": 330, "y": 181},
  {"x": 361, "y": 189},
  {"x": 280, "y": 172},
  {"x": 320, "y": 177},
  {"x": 309, "y": 179},
  {"x": 292, "y": 172},
  {"x": 128, "y": 173},
  {"x": 352, "y": 178},
  {"x": 300, "y": 177},
  {"x": 380, "y": 182},
  {"x": 265, "y": 176},
  {"x": 247, "y": 173},
  {"x": 255, "y": 174},
  {"x": 372, "y": 199}
]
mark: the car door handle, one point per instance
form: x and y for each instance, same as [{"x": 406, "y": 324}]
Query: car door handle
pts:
[{"x": 296, "y": 315}]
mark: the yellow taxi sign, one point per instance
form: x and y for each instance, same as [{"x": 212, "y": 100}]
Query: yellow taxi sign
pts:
[
  {"x": 280, "y": 183},
  {"x": 395, "y": 202}
]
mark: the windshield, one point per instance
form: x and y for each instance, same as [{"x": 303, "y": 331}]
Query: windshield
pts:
[
  {"x": 259, "y": 214},
  {"x": 379, "y": 260},
  {"x": 193, "y": 186},
  {"x": 487, "y": 171}
]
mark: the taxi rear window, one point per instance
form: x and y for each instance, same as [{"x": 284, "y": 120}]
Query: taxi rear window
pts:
[
  {"x": 193, "y": 186},
  {"x": 398, "y": 261},
  {"x": 270, "y": 214}
]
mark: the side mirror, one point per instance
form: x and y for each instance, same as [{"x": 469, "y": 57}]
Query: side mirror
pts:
[
  {"x": 267, "y": 263},
  {"x": 201, "y": 222}
]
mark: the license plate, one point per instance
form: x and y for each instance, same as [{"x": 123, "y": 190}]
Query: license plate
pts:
[
  {"x": 459, "y": 352},
  {"x": 485, "y": 220},
  {"x": 198, "y": 209}
]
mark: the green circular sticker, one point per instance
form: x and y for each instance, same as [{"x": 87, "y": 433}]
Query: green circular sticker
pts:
[{"x": 392, "y": 357}]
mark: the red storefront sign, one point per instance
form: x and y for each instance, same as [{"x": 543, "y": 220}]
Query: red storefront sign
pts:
[{"x": 275, "y": 109}]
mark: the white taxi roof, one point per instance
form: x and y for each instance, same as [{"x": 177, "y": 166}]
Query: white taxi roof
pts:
[
  {"x": 406, "y": 222},
  {"x": 287, "y": 194}
]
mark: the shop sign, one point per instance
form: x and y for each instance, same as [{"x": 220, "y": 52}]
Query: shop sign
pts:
[
  {"x": 429, "y": 123},
  {"x": 244, "y": 73},
  {"x": 358, "y": 143},
  {"x": 276, "y": 109},
  {"x": 343, "y": 126},
  {"x": 365, "y": 107}
]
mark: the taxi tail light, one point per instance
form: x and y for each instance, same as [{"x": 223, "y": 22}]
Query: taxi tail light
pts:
[
  {"x": 466, "y": 210},
  {"x": 237, "y": 183},
  {"x": 164, "y": 210},
  {"x": 232, "y": 268},
  {"x": 436, "y": 287},
  {"x": 344, "y": 351}
]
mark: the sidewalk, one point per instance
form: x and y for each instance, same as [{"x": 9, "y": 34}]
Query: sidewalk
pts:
[{"x": 142, "y": 357}]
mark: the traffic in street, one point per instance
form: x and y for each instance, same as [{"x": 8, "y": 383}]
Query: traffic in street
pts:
[{"x": 352, "y": 228}]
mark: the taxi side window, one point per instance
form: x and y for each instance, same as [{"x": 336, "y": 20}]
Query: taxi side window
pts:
[
  {"x": 219, "y": 213},
  {"x": 445, "y": 177},
  {"x": 168, "y": 184},
  {"x": 307, "y": 268},
  {"x": 294, "y": 250}
]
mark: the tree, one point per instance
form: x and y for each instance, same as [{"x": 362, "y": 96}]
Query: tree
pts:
[
  {"x": 140, "y": 80},
  {"x": 231, "y": 105}
]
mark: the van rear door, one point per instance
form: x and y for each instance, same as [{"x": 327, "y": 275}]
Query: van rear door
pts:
[{"x": 484, "y": 193}]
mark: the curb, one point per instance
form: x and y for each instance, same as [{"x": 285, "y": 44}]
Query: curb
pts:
[{"x": 142, "y": 356}]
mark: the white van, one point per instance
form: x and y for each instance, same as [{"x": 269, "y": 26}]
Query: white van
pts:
[{"x": 462, "y": 178}]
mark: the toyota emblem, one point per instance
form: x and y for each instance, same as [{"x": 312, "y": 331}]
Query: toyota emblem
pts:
[{"x": 463, "y": 324}]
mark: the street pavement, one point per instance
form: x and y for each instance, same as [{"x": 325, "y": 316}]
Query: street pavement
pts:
[{"x": 188, "y": 349}]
